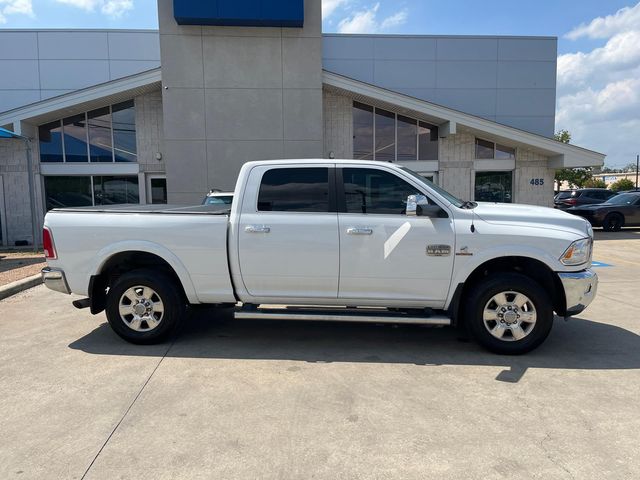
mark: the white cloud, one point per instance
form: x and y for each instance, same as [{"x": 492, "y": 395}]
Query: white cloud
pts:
[
  {"x": 599, "y": 90},
  {"x": 395, "y": 20},
  {"x": 13, "y": 7},
  {"x": 111, "y": 8},
  {"x": 330, "y": 6},
  {"x": 625, "y": 19},
  {"x": 365, "y": 21}
]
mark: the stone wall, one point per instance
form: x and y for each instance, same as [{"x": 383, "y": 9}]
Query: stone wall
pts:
[
  {"x": 338, "y": 125},
  {"x": 149, "y": 132},
  {"x": 15, "y": 182}
]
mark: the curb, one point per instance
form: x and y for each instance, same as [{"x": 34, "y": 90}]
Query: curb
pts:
[{"x": 20, "y": 285}]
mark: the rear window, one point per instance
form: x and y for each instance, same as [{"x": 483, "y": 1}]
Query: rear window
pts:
[
  {"x": 294, "y": 190},
  {"x": 563, "y": 195}
]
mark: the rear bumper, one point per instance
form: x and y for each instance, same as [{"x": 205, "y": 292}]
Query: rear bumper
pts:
[
  {"x": 54, "y": 279},
  {"x": 579, "y": 289}
]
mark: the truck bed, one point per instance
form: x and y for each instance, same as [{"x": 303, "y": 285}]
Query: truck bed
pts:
[{"x": 152, "y": 209}]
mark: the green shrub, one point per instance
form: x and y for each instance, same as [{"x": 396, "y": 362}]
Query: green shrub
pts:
[
  {"x": 623, "y": 184},
  {"x": 595, "y": 183}
]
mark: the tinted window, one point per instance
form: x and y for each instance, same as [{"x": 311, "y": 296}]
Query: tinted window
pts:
[
  {"x": 385, "y": 136},
  {"x": 622, "y": 199},
  {"x": 484, "y": 149},
  {"x": 115, "y": 190},
  {"x": 597, "y": 195},
  {"x": 427, "y": 141},
  {"x": 362, "y": 132},
  {"x": 294, "y": 190},
  {"x": 99, "y": 123},
  {"x": 407, "y": 145},
  {"x": 75, "y": 138},
  {"x": 494, "y": 187},
  {"x": 124, "y": 132},
  {"x": 158, "y": 190},
  {"x": 563, "y": 195},
  {"x": 375, "y": 191},
  {"x": 68, "y": 192},
  {"x": 50, "y": 136}
]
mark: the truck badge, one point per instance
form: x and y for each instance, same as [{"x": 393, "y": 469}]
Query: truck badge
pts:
[{"x": 438, "y": 250}]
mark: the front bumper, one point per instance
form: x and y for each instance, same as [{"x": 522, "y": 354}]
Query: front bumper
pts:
[
  {"x": 579, "y": 289},
  {"x": 54, "y": 279}
]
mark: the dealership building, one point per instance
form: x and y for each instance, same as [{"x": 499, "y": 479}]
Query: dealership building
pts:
[{"x": 94, "y": 117}]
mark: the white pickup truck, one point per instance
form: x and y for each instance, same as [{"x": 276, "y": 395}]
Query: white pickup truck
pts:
[{"x": 336, "y": 240}]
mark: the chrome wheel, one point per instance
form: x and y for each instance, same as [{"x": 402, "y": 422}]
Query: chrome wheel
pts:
[
  {"x": 509, "y": 316},
  {"x": 141, "y": 308}
]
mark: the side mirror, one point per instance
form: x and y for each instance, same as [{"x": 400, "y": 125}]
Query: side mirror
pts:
[{"x": 418, "y": 206}]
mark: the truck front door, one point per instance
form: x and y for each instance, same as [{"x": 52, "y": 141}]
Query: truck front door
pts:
[
  {"x": 288, "y": 233},
  {"x": 384, "y": 254}
]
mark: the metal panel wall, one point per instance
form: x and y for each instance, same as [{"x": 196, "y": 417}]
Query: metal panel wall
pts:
[{"x": 510, "y": 80}]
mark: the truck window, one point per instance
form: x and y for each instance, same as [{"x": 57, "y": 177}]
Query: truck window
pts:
[
  {"x": 294, "y": 190},
  {"x": 375, "y": 191}
]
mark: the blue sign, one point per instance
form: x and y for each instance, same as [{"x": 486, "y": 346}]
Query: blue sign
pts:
[{"x": 240, "y": 13}]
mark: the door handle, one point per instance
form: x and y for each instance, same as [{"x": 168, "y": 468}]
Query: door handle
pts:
[
  {"x": 257, "y": 229},
  {"x": 359, "y": 231}
]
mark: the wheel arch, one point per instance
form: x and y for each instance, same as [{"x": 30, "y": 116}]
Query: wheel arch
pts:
[
  {"x": 533, "y": 268},
  {"x": 114, "y": 262}
]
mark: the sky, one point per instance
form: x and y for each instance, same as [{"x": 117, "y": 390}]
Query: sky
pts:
[{"x": 598, "y": 96}]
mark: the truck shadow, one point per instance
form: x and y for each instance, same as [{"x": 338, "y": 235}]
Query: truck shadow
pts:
[
  {"x": 627, "y": 233},
  {"x": 578, "y": 344}
]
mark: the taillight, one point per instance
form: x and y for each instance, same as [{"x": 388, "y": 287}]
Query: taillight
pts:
[
  {"x": 571, "y": 201},
  {"x": 47, "y": 244}
]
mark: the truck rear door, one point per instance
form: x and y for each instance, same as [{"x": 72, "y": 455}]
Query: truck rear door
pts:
[{"x": 288, "y": 232}]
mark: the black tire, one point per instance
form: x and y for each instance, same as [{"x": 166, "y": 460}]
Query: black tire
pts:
[
  {"x": 166, "y": 290},
  {"x": 484, "y": 291},
  {"x": 613, "y": 222}
]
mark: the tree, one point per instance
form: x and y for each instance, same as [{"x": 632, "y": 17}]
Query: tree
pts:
[
  {"x": 623, "y": 184},
  {"x": 595, "y": 183},
  {"x": 575, "y": 177}
]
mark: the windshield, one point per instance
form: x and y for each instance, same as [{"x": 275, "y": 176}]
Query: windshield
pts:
[
  {"x": 455, "y": 201},
  {"x": 623, "y": 199}
]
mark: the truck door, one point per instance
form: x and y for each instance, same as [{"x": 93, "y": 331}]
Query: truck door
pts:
[
  {"x": 385, "y": 254},
  {"x": 288, "y": 232}
]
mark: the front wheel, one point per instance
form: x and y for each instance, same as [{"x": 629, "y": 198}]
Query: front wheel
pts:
[
  {"x": 145, "y": 306},
  {"x": 508, "y": 313},
  {"x": 613, "y": 222}
]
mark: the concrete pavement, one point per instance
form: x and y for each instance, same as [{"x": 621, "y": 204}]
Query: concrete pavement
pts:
[{"x": 279, "y": 400}]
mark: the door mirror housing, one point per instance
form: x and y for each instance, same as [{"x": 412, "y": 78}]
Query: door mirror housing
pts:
[{"x": 418, "y": 206}]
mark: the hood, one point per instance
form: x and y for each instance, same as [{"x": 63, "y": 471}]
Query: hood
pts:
[{"x": 530, "y": 215}]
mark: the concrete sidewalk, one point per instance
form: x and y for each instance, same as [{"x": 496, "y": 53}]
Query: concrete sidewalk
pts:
[{"x": 279, "y": 400}]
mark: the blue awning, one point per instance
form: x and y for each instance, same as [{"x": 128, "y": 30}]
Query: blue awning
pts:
[{"x": 4, "y": 133}]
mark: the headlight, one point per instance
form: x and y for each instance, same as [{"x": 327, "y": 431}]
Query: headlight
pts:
[
  {"x": 589, "y": 229},
  {"x": 579, "y": 252}
]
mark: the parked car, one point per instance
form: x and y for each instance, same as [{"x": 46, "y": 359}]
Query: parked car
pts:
[
  {"x": 216, "y": 197},
  {"x": 334, "y": 241},
  {"x": 617, "y": 212},
  {"x": 582, "y": 196}
]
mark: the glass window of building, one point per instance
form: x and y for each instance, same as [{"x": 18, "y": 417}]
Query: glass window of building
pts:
[
  {"x": 505, "y": 153},
  {"x": 85, "y": 191},
  {"x": 124, "y": 132},
  {"x": 63, "y": 192},
  {"x": 385, "y": 136},
  {"x": 362, "y": 131},
  {"x": 484, "y": 149},
  {"x": 407, "y": 145},
  {"x": 50, "y": 137},
  {"x": 113, "y": 190},
  {"x": 494, "y": 187},
  {"x": 294, "y": 190},
  {"x": 490, "y": 150},
  {"x": 375, "y": 191},
  {"x": 74, "y": 130},
  {"x": 427, "y": 141},
  {"x": 99, "y": 123},
  {"x": 106, "y": 134},
  {"x": 382, "y": 135}
]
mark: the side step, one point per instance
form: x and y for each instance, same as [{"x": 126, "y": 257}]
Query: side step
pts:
[{"x": 323, "y": 314}]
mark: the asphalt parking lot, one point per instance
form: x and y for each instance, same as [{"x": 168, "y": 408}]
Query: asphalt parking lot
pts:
[{"x": 280, "y": 400}]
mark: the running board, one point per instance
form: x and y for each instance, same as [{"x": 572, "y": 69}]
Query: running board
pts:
[{"x": 365, "y": 315}]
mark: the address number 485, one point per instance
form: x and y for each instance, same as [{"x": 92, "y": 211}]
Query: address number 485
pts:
[{"x": 538, "y": 182}]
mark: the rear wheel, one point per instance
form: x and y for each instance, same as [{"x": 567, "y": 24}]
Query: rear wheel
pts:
[
  {"x": 145, "y": 306},
  {"x": 509, "y": 314},
  {"x": 613, "y": 222}
]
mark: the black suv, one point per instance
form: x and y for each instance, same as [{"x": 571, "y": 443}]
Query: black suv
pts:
[{"x": 581, "y": 196}]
